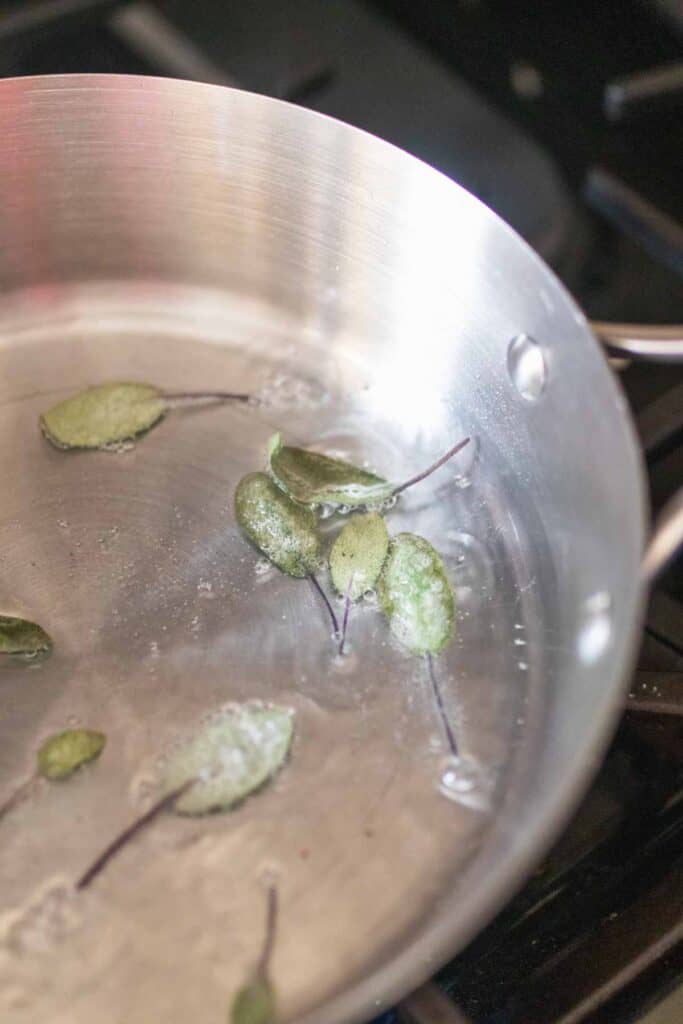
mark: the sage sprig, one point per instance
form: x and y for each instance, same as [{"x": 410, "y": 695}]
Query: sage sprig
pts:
[
  {"x": 58, "y": 757},
  {"x": 314, "y": 480},
  {"x": 110, "y": 414},
  {"x": 416, "y": 596},
  {"x": 234, "y": 753},
  {"x": 255, "y": 1002}
]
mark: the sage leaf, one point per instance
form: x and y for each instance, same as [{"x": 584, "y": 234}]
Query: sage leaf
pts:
[
  {"x": 255, "y": 1003},
  {"x": 59, "y": 756},
  {"x": 62, "y": 754},
  {"x": 19, "y": 636},
  {"x": 234, "y": 753},
  {"x": 311, "y": 478},
  {"x": 286, "y": 533},
  {"x": 104, "y": 415},
  {"x": 358, "y": 554},
  {"x": 416, "y": 596}
]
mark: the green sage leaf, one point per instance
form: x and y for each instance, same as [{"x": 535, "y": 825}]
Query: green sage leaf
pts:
[
  {"x": 358, "y": 554},
  {"x": 104, "y": 415},
  {"x": 234, "y": 753},
  {"x": 254, "y": 1004},
  {"x": 313, "y": 479},
  {"x": 19, "y": 636},
  {"x": 416, "y": 596},
  {"x": 62, "y": 754},
  {"x": 286, "y": 533}
]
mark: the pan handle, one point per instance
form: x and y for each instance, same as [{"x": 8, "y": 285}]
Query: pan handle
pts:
[
  {"x": 666, "y": 540},
  {"x": 658, "y": 344}
]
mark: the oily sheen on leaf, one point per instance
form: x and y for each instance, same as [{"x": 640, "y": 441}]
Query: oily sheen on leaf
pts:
[
  {"x": 358, "y": 554},
  {"x": 416, "y": 596},
  {"x": 65, "y": 752},
  {"x": 234, "y": 752},
  {"x": 255, "y": 1003},
  {"x": 286, "y": 533},
  {"x": 104, "y": 415},
  {"x": 19, "y": 636},
  {"x": 311, "y": 478}
]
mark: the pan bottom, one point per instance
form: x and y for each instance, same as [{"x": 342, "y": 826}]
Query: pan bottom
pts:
[{"x": 161, "y": 612}]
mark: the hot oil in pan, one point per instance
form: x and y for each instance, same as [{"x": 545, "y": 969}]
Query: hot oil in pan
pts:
[{"x": 160, "y": 611}]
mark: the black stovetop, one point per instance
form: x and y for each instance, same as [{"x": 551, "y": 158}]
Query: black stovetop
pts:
[{"x": 534, "y": 107}]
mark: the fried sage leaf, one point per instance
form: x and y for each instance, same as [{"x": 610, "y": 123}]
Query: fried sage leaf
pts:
[
  {"x": 313, "y": 479},
  {"x": 104, "y": 415},
  {"x": 62, "y": 754},
  {"x": 255, "y": 1003},
  {"x": 19, "y": 636},
  {"x": 286, "y": 533},
  {"x": 358, "y": 554},
  {"x": 234, "y": 753},
  {"x": 415, "y": 594}
]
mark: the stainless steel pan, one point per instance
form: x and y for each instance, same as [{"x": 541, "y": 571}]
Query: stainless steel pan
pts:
[{"x": 200, "y": 237}]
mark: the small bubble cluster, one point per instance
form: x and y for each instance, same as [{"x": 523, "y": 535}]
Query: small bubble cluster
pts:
[
  {"x": 285, "y": 391},
  {"x": 44, "y": 921},
  {"x": 463, "y": 780}
]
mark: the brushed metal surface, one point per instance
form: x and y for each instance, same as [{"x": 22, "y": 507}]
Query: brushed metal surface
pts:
[{"x": 199, "y": 237}]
